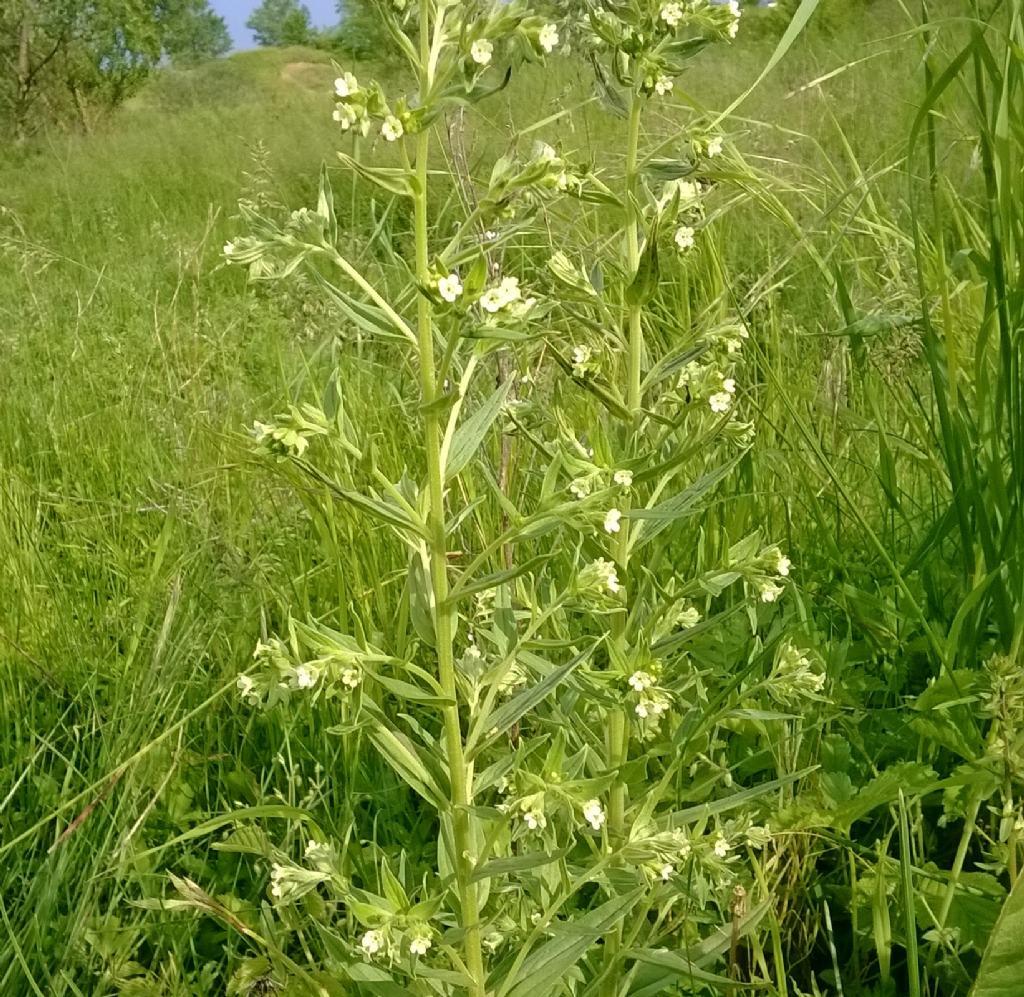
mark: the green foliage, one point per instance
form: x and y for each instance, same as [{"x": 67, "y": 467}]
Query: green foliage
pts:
[
  {"x": 144, "y": 553},
  {"x": 999, "y": 975},
  {"x": 196, "y": 33},
  {"x": 362, "y": 33},
  {"x": 76, "y": 59},
  {"x": 281, "y": 22}
]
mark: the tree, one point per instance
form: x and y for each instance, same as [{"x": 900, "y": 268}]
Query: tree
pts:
[
  {"x": 61, "y": 59},
  {"x": 196, "y": 33},
  {"x": 362, "y": 33},
  {"x": 281, "y": 22}
]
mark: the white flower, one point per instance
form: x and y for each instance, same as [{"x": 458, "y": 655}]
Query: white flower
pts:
[
  {"x": 372, "y": 942},
  {"x": 345, "y": 116},
  {"x": 672, "y": 14},
  {"x": 305, "y": 677},
  {"x": 783, "y": 564},
  {"x": 548, "y": 38},
  {"x": 580, "y": 358},
  {"x": 593, "y": 814},
  {"x": 579, "y": 487},
  {"x": 684, "y": 238},
  {"x": 623, "y": 478},
  {"x": 246, "y": 688},
  {"x": 689, "y": 617},
  {"x": 419, "y": 945},
  {"x": 729, "y": 385},
  {"x": 640, "y": 681},
  {"x": 450, "y": 287},
  {"x": 317, "y": 851},
  {"x": 721, "y": 401},
  {"x": 350, "y": 678},
  {"x": 481, "y": 51},
  {"x": 535, "y": 820},
  {"x": 715, "y": 146},
  {"x": 392, "y": 129},
  {"x": 612, "y": 521},
  {"x": 229, "y": 248},
  {"x": 666, "y": 872},
  {"x": 509, "y": 289},
  {"x": 663, "y": 85},
  {"x": 277, "y": 876},
  {"x": 492, "y": 300},
  {"x": 733, "y": 30},
  {"x": 607, "y": 573},
  {"x": 769, "y": 591},
  {"x": 722, "y": 846},
  {"x": 345, "y": 86}
]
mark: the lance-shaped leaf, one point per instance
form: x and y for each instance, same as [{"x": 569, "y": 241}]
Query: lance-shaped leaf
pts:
[
  {"x": 547, "y": 965},
  {"x": 492, "y": 581},
  {"x": 488, "y": 726},
  {"x": 664, "y": 514},
  {"x": 389, "y": 178},
  {"x": 513, "y": 865},
  {"x": 671, "y": 967},
  {"x": 408, "y": 763},
  {"x": 369, "y": 318},
  {"x": 386, "y": 512},
  {"x": 468, "y": 437}
]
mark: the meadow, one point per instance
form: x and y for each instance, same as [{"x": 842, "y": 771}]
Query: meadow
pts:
[{"x": 848, "y": 749}]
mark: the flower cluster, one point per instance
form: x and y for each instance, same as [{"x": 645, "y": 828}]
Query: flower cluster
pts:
[
  {"x": 795, "y": 678},
  {"x": 281, "y": 672},
  {"x": 289, "y": 434},
  {"x": 504, "y": 295},
  {"x": 356, "y": 108}
]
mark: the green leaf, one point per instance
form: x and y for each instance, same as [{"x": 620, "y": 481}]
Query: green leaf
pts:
[
  {"x": 681, "y": 818},
  {"x": 401, "y": 754},
  {"x": 545, "y": 967},
  {"x": 409, "y": 692},
  {"x": 681, "y": 505},
  {"x": 488, "y": 726},
  {"x": 389, "y": 178},
  {"x": 497, "y": 578},
  {"x": 516, "y": 864},
  {"x": 1000, "y": 972},
  {"x": 680, "y": 967},
  {"x": 911, "y": 777},
  {"x": 369, "y": 318},
  {"x": 470, "y": 434},
  {"x": 645, "y": 282}
]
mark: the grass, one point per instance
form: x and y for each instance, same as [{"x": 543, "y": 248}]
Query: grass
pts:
[{"x": 143, "y": 551}]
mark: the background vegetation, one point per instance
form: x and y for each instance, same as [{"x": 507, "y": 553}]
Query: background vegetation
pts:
[{"x": 143, "y": 550}]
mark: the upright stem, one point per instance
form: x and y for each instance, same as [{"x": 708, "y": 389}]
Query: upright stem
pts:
[
  {"x": 617, "y": 732},
  {"x": 636, "y": 332},
  {"x": 444, "y": 614}
]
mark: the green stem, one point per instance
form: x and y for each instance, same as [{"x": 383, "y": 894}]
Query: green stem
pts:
[
  {"x": 617, "y": 731},
  {"x": 444, "y": 613},
  {"x": 636, "y": 332}
]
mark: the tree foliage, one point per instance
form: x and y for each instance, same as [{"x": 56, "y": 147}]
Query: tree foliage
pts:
[
  {"x": 64, "y": 60},
  {"x": 281, "y": 22}
]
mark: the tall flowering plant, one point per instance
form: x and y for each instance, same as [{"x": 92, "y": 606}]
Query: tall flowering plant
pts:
[{"x": 560, "y": 692}]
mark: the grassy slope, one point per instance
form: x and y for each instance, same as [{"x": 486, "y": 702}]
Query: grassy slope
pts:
[{"x": 138, "y": 548}]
